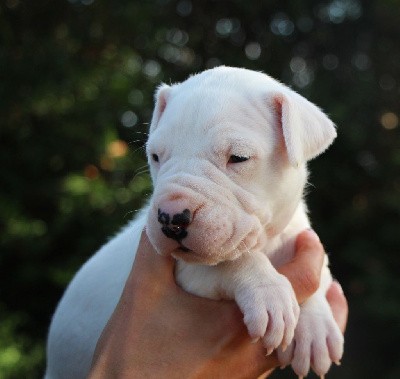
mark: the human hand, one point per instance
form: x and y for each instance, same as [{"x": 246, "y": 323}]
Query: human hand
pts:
[
  {"x": 304, "y": 274},
  {"x": 157, "y": 329}
]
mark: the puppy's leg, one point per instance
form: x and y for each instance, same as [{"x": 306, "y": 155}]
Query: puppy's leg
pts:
[
  {"x": 265, "y": 297},
  {"x": 317, "y": 340}
]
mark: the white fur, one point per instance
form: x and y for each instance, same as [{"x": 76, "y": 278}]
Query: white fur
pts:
[{"x": 245, "y": 218}]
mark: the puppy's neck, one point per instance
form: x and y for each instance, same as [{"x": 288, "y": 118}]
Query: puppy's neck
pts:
[{"x": 279, "y": 244}]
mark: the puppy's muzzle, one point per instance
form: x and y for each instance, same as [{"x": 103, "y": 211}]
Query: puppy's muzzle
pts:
[{"x": 175, "y": 226}]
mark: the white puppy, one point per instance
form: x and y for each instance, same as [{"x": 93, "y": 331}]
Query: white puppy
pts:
[{"x": 227, "y": 152}]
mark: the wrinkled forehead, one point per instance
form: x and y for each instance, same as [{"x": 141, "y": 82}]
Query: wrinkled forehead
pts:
[{"x": 191, "y": 116}]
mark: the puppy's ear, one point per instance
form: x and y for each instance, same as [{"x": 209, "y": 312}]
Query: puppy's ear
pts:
[
  {"x": 160, "y": 97},
  {"x": 307, "y": 131}
]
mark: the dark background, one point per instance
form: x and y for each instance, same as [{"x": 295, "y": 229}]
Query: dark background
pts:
[{"x": 76, "y": 88}]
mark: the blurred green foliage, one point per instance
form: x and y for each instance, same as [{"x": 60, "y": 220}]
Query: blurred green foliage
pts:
[{"x": 77, "y": 79}]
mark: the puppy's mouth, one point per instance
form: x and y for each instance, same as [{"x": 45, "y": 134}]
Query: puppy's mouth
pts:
[
  {"x": 190, "y": 256},
  {"x": 183, "y": 249}
]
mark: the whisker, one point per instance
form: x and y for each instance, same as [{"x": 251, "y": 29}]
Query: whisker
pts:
[
  {"x": 129, "y": 213},
  {"x": 134, "y": 141},
  {"x": 245, "y": 246},
  {"x": 126, "y": 215},
  {"x": 141, "y": 168},
  {"x": 141, "y": 173},
  {"x": 139, "y": 149},
  {"x": 138, "y": 173},
  {"x": 235, "y": 249}
]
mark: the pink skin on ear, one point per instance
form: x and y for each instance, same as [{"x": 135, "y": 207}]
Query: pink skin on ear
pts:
[
  {"x": 161, "y": 98},
  {"x": 281, "y": 146},
  {"x": 307, "y": 131}
]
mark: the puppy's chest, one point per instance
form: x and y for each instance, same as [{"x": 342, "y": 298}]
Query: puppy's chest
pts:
[{"x": 280, "y": 251}]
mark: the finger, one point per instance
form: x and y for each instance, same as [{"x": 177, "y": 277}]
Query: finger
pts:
[
  {"x": 266, "y": 374},
  {"x": 261, "y": 364},
  {"x": 304, "y": 270},
  {"x": 338, "y": 303},
  {"x": 252, "y": 361},
  {"x": 149, "y": 265}
]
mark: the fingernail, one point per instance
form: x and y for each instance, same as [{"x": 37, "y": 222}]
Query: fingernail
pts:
[{"x": 255, "y": 340}]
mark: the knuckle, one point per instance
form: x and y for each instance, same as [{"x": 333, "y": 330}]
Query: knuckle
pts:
[{"x": 310, "y": 280}]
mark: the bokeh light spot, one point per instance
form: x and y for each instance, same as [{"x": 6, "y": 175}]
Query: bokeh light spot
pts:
[
  {"x": 253, "y": 50},
  {"x": 117, "y": 149},
  {"x": 129, "y": 119},
  {"x": 91, "y": 172},
  {"x": 390, "y": 120}
]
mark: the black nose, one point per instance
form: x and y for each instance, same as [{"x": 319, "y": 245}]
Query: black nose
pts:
[{"x": 175, "y": 228}]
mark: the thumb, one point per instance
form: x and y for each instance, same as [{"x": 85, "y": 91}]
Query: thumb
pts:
[{"x": 149, "y": 265}]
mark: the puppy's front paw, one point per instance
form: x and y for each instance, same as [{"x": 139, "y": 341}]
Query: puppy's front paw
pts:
[
  {"x": 317, "y": 342},
  {"x": 270, "y": 311}
]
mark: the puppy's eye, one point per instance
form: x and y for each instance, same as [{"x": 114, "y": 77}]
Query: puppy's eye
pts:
[
  {"x": 237, "y": 159},
  {"x": 155, "y": 157}
]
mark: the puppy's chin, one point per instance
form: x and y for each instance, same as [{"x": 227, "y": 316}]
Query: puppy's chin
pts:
[{"x": 193, "y": 257}]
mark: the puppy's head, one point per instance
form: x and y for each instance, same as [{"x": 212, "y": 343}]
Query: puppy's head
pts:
[{"x": 227, "y": 152}]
